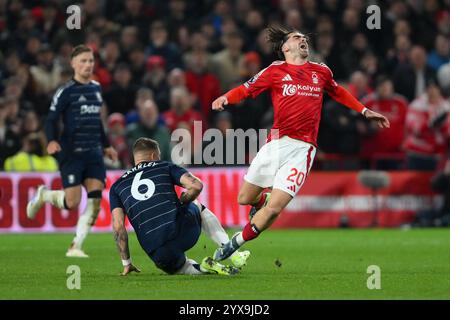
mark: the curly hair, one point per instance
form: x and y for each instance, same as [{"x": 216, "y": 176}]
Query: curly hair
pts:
[{"x": 277, "y": 35}]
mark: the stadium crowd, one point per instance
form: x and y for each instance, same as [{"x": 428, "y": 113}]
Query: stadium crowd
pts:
[{"x": 162, "y": 63}]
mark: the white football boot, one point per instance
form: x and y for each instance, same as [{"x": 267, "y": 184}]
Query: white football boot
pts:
[
  {"x": 76, "y": 253},
  {"x": 239, "y": 258},
  {"x": 35, "y": 204}
]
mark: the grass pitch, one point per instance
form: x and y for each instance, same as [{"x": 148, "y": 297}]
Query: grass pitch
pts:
[{"x": 285, "y": 264}]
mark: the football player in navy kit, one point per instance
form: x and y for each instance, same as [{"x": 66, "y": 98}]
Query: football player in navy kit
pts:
[
  {"x": 166, "y": 226},
  {"x": 79, "y": 148}
]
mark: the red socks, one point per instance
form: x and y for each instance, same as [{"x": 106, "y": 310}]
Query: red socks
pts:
[{"x": 250, "y": 232}]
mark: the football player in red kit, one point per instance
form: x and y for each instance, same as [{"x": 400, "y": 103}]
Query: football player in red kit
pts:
[{"x": 283, "y": 163}]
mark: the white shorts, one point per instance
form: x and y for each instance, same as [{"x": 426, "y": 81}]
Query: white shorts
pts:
[{"x": 282, "y": 164}]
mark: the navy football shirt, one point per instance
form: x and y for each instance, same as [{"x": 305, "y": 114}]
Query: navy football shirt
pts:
[
  {"x": 146, "y": 193},
  {"x": 79, "y": 105}
]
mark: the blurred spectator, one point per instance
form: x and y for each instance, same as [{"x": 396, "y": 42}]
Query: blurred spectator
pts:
[
  {"x": 243, "y": 113},
  {"x": 46, "y": 75},
  {"x": 411, "y": 79},
  {"x": 204, "y": 86},
  {"x": 309, "y": 14},
  {"x": 176, "y": 78},
  {"x": 110, "y": 54},
  {"x": 142, "y": 95},
  {"x": 148, "y": 127},
  {"x": 48, "y": 20},
  {"x": 31, "y": 123},
  {"x": 327, "y": 52},
  {"x": 350, "y": 25},
  {"x": 155, "y": 80},
  {"x": 160, "y": 46},
  {"x": 427, "y": 128},
  {"x": 208, "y": 30},
  {"x": 342, "y": 129},
  {"x": 129, "y": 39},
  {"x": 440, "y": 54},
  {"x": 101, "y": 73},
  {"x": 426, "y": 28},
  {"x": 32, "y": 156},
  {"x": 120, "y": 97},
  {"x": 355, "y": 52},
  {"x": 399, "y": 54},
  {"x": 443, "y": 76},
  {"x": 359, "y": 85},
  {"x": 31, "y": 50},
  {"x": 385, "y": 144},
  {"x": 9, "y": 67},
  {"x": 9, "y": 136},
  {"x": 251, "y": 65},
  {"x": 118, "y": 139},
  {"x": 254, "y": 22},
  {"x": 137, "y": 62},
  {"x": 135, "y": 14},
  {"x": 221, "y": 11},
  {"x": 443, "y": 21},
  {"x": 370, "y": 65},
  {"x": 176, "y": 18},
  {"x": 198, "y": 45},
  {"x": 91, "y": 9},
  {"x": 264, "y": 49},
  {"x": 13, "y": 119},
  {"x": 294, "y": 19},
  {"x": 181, "y": 112},
  {"x": 227, "y": 62}
]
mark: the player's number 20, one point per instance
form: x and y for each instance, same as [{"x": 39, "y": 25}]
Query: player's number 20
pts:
[
  {"x": 137, "y": 182},
  {"x": 300, "y": 177}
]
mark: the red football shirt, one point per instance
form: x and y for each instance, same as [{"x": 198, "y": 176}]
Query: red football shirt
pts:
[{"x": 297, "y": 96}]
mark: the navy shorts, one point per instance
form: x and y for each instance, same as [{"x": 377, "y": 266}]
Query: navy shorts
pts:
[
  {"x": 171, "y": 256},
  {"x": 77, "y": 166}
]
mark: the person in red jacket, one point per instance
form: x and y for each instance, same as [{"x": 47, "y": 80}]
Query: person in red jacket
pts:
[
  {"x": 427, "y": 129},
  {"x": 182, "y": 116},
  {"x": 297, "y": 87},
  {"x": 385, "y": 146},
  {"x": 203, "y": 85}
]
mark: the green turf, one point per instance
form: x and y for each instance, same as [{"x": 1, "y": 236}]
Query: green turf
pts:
[{"x": 315, "y": 264}]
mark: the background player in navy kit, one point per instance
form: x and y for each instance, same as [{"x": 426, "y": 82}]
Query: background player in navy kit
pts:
[
  {"x": 79, "y": 149},
  {"x": 165, "y": 226}
]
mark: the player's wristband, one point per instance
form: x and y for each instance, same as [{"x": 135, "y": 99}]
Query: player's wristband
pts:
[
  {"x": 364, "y": 110},
  {"x": 126, "y": 263}
]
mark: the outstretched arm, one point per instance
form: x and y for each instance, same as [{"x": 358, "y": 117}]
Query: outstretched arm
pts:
[
  {"x": 253, "y": 87},
  {"x": 341, "y": 95},
  {"x": 121, "y": 238},
  {"x": 233, "y": 96},
  {"x": 193, "y": 187}
]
